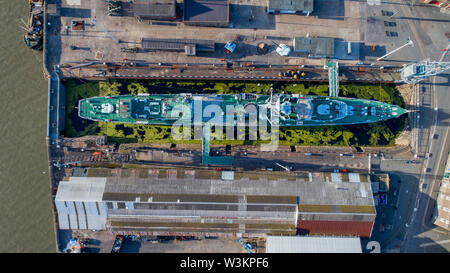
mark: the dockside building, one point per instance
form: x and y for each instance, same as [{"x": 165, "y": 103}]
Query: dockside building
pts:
[
  {"x": 214, "y": 203},
  {"x": 206, "y": 13},
  {"x": 290, "y": 6},
  {"x": 154, "y": 9}
]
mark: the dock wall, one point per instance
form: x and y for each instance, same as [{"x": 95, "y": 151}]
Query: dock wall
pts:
[{"x": 223, "y": 71}]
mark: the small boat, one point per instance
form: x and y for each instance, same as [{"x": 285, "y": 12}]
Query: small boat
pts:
[{"x": 35, "y": 28}]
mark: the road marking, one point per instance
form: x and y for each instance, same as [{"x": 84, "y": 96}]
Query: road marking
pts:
[
  {"x": 435, "y": 243},
  {"x": 433, "y": 91}
]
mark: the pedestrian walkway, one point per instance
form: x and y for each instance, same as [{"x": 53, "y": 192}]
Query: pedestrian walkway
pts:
[{"x": 333, "y": 78}]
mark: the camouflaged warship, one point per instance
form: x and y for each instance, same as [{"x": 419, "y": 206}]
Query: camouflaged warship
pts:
[{"x": 291, "y": 110}]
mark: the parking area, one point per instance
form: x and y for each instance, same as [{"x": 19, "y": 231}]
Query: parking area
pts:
[
  {"x": 247, "y": 157},
  {"x": 103, "y": 241},
  {"x": 172, "y": 245}
]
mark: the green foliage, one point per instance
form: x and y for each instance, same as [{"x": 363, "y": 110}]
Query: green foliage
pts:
[
  {"x": 137, "y": 88},
  {"x": 383, "y": 93},
  {"x": 220, "y": 88},
  {"x": 109, "y": 88},
  {"x": 311, "y": 136},
  {"x": 380, "y": 135},
  {"x": 346, "y": 137},
  {"x": 184, "y": 83},
  {"x": 74, "y": 92},
  {"x": 135, "y": 132}
]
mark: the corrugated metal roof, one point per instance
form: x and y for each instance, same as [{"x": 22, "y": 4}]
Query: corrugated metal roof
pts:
[
  {"x": 354, "y": 177},
  {"x": 291, "y": 5},
  {"x": 96, "y": 222},
  {"x": 254, "y": 197},
  {"x": 206, "y": 10},
  {"x": 63, "y": 221},
  {"x": 336, "y": 193},
  {"x": 214, "y": 189},
  {"x": 177, "y": 44},
  {"x": 315, "y": 46},
  {"x": 81, "y": 189},
  {"x": 228, "y": 175},
  {"x": 335, "y": 177},
  {"x": 81, "y": 215},
  {"x": 155, "y": 8},
  {"x": 337, "y": 208},
  {"x": 312, "y": 244}
]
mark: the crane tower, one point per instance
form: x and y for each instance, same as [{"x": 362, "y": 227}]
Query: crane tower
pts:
[{"x": 416, "y": 72}]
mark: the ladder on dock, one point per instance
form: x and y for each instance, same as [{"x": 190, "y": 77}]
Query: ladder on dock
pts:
[
  {"x": 333, "y": 78},
  {"x": 206, "y": 158},
  {"x": 205, "y": 143}
]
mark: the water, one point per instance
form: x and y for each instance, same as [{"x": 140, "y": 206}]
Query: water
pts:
[{"x": 26, "y": 219}]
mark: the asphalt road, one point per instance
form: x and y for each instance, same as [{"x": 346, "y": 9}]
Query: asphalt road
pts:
[{"x": 436, "y": 154}]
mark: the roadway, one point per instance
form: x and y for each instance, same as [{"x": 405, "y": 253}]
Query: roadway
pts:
[
  {"x": 421, "y": 235},
  {"x": 436, "y": 152}
]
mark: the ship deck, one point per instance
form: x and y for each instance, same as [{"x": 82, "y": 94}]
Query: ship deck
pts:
[
  {"x": 360, "y": 108},
  {"x": 120, "y": 114},
  {"x": 166, "y": 109}
]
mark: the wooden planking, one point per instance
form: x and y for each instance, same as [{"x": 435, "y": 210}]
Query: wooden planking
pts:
[
  {"x": 213, "y": 198},
  {"x": 314, "y": 208},
  {"x": 272, "y": 199},
  {"x": 357, "y": 209},
  {"x": 175, "y": 225}
]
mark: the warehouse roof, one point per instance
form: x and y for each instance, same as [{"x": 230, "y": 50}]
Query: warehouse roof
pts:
[
  {"x": 312, "y": 188},
  {"x": 315, "y": 46},
  {"x": 331, "y": 193},
  {"x": 291, "y": 5},
  {"x": 206, "y": 10},
  {"x": 155, "y": 8},
  {"x": 266, "y": 200},
  {"x": 81, "y": 189},
  {"x": 312, "y": 244}
]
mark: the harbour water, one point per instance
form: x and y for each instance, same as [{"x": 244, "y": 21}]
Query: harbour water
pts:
[{"x": 26, "y": 219}]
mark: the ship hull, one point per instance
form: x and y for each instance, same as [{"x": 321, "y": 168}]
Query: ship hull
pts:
[
  {"x": 33, "y": 37},
  {"x": 281, "y": 110},
  {"x": 33, "y": 43}
]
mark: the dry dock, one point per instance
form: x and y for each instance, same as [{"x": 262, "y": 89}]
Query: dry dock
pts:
[{"x": 83, "y": 41}]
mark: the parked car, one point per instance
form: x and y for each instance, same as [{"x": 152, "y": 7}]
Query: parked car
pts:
[{"x": 391, "y": 34}]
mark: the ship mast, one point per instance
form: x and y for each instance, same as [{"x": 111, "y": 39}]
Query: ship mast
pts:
[{"x": 273, "y": 103}]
